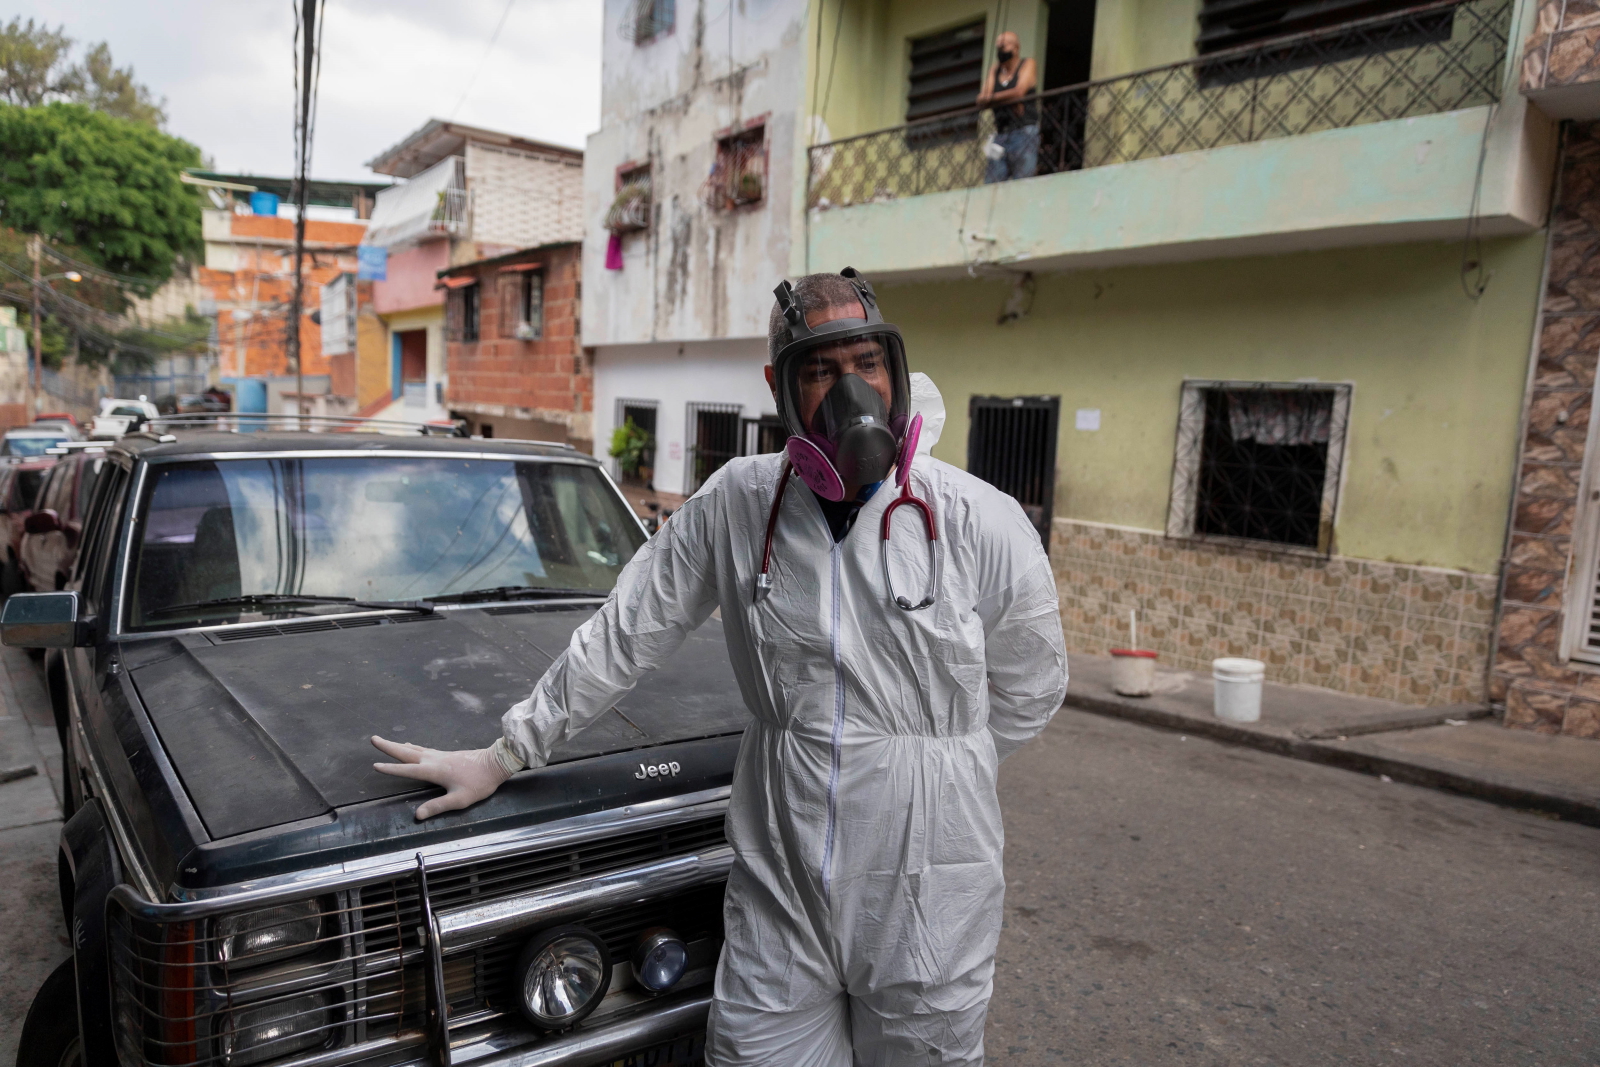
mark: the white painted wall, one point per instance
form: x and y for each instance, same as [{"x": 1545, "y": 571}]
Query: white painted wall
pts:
[
  {"x": 697, "y": 273},
  {"x": 675, "y": 375}
]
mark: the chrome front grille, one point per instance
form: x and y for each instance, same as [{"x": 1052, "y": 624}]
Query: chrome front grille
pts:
[{"x": 199, "y": 992}]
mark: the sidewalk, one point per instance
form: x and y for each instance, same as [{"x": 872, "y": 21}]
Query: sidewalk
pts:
[
  {"x": 1458, "y": 748},
  {"x": 32, "y": 940}
]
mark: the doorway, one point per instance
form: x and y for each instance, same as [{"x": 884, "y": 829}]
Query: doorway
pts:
[
  {"x": 411, "y": 347},
  {"x": 1068, "y": 60}
]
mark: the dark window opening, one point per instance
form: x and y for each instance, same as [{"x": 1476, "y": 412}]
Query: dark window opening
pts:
[
  {"x": 716, "y": 431},
  {"x": 1264, "y": 464},
  {"x": 764, "y": 436},
  {"x": 461, "y": 314},
  {"x": 946, "y": 74},
  {"x": 648, "y": 19},
  {"x": 1068, "y": 53},
  {"x": 1315, "y": 29},
  {"x": 522, "y": 305},
  {"x": 1012, "y": 446},
  {"x": 739, "y": 176}
]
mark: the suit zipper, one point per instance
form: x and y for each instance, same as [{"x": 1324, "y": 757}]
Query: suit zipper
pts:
[{"x": 838, "y": 735}]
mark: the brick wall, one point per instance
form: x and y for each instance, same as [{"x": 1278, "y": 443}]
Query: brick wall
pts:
[{"x": 546, "y": 380}]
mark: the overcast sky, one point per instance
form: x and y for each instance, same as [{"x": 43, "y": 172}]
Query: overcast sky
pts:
[{"x": 388, "y": 66}]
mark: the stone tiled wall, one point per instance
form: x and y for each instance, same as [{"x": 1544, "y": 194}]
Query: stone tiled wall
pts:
[
  {"x": 1564, "y": 47},
  {"x": 1541, "y": 692},
  {"x": 1413, "y": 634}
]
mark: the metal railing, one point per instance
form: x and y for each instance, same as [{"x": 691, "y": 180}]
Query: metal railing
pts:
[{"x": 1424, "y": 60}]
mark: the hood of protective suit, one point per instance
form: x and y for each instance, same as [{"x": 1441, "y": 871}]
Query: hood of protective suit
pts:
[{"x": 927, "y": 401}]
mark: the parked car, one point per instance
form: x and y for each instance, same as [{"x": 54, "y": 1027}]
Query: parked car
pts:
[
  {"x": 118, "y": 417},
  {"x": 53, "y": 530},
  {"x": 35, "y": 440},
  {"x": 59, "y": 418},
  {"x": 20, "y": 481},
  {"x": 243, "y": 888}
]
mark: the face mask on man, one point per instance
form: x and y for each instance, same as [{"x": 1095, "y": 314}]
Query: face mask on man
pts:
[{"x": 1007, "y": 55}]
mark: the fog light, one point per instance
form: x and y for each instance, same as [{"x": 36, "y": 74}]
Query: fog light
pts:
[
  {"x": 660, "y": 959},
  {"x": 266, "y": 1031},
  {"x": 270, "y": 934},
  {"x": 563, "y": 974}
]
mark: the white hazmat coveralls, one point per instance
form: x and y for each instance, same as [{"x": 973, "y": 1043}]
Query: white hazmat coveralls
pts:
[{"x": 864, "y": 903}]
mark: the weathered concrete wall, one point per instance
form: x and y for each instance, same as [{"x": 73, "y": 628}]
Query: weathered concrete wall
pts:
[{"x": 696, "y": 273}]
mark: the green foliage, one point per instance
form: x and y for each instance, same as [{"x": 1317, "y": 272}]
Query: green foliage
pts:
[
  {"x": 31, "y": 64},
  {"x": 34, "y": 71},
  {"x": 629, "y": 447},
  {"x": 107, "y": 185}
]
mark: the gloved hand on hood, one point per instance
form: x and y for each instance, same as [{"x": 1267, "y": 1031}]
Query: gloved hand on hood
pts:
[{"x": 467, "y": 777}]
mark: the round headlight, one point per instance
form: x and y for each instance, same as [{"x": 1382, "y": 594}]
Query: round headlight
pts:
[
  {"x": 561, "y": 976},
  {"x": 660, "y": 960}
]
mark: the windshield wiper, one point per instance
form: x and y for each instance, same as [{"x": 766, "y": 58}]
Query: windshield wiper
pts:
[
  {"x": 296, "y": 598},
  {"x": 512, "y": 592}
]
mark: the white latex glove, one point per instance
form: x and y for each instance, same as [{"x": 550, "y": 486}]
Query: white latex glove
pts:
[{"x": 467, "y": 777}]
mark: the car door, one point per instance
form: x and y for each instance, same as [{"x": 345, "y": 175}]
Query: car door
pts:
[
  {"x": 29, "y": 551},
  {"x": 44, "y": 553}
]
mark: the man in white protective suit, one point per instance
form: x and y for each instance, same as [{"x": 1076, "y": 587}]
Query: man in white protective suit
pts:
[{"x": 886, "y": 681}]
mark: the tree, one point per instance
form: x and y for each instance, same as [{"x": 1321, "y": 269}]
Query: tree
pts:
[
  {"x": 34, "y": 71},
  {"x": 112, "y": 90},
  {"x": 109, "y": 186},
  {"x": 29, "y": 58}
]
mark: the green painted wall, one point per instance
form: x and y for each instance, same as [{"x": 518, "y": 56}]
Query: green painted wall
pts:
[
  {"x": 1438, "y": 377},
  {"x": 859, "y": 53}
]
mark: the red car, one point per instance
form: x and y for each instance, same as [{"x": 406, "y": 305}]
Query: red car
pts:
[
  {"x": 19, "y": 489},
  {"x": 51, "y": 534}
]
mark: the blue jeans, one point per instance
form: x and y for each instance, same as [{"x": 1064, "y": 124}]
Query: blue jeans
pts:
[{"x": 1022, "y": 155}]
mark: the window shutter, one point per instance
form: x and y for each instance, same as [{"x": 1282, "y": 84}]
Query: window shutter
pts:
[
  {"x": 510, "y": 304},
  {"x": 453, "y": 314}
]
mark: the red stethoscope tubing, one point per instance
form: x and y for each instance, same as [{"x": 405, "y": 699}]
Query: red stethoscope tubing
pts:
[{"x": 930, "y": 524}]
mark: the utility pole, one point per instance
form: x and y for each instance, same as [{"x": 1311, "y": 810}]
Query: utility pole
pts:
[
  {"x": 308, "y": 54},
  {"x": 34, "y": 376}
]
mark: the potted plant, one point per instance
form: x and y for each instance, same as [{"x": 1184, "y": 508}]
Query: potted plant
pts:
[{"x": 632, "y": 446}]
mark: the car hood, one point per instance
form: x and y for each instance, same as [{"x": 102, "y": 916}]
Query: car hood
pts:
[{"x": 270, "y": 725}]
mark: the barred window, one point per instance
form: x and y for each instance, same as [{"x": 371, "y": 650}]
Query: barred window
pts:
[
  {"x": 648, "y": 19},
  {"x": 1012, "y": 445},
  {"x": 739, "y": 175},
  {"x": 716, "y": 431},
  {"x": 461, "y": 313},
  {"x": 630, "y": 209},
  {"x": 946, "y": 71},
  {"x": 1259, "y": 462},
  {"x": 522, "y": 303}
]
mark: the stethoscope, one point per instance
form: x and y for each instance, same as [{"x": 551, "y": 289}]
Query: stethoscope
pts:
[{"x": 764, "y": 579}]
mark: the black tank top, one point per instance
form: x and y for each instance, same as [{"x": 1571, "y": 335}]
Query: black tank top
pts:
[{"x": 1022, "y": 113}]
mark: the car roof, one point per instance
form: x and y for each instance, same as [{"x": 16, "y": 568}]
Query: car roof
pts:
[
  {"x": 185, "y": 444},
  {"x": 55, "y": 430}
]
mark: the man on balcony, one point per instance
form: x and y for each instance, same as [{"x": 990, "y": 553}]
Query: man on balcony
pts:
[{"x": 1014, "y": 150}]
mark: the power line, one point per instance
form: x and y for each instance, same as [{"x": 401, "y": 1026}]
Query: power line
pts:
[{"x": 493, "y": 37}]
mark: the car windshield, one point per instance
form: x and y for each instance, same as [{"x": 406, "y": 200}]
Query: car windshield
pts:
[
  {"x": 371, "y": 528},
  {"x": 32, "y": 445}
]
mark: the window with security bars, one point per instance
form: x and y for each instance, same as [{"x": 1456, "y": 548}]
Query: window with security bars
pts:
[
  {"x": 642, "y": 413},
  {"x": 648, "y": 19},
  {"x": 1580, "y": 635},
  {"x": 461, "y": 314},
  {"x": 1284, "y": 35},
  {"x": 1011, "y": 444},
  {"x": 764, "y": 436},
  {"x": 946, "y": 74},
  {"x": 714, "y": 432},
  {"x": 1259, "y": 462},
  {"x": 739, "y": 175}
]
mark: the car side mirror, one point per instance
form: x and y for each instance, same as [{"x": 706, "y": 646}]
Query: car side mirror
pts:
[
  {"x": 41, "y": 522},
  {"x": 43, "y": 620}
]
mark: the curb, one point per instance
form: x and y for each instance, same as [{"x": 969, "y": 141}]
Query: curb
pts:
[{"x": 1360, "y": 755}]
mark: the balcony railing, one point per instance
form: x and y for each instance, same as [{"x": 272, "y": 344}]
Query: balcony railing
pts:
[{"x": 1425, "y": 60}]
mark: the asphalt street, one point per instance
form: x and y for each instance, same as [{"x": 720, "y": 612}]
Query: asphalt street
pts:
[{"x": 1176, "y": 900}]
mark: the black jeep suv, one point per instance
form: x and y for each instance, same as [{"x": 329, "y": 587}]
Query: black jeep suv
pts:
[{"x": 243, "y": 888}]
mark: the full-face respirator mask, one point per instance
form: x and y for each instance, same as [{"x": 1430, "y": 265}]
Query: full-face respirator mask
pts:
[{"x": 845, "y": 367}]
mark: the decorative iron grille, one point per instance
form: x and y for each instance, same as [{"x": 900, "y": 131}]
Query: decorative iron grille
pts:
[
  {"x": 1012, "y": 446},
  {"x": 1259, "y": 462},
  {"x": 1225, "y": 97},
  {"x": 716, "y": 435}
]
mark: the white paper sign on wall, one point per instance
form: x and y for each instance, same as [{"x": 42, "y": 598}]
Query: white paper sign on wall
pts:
[
  {"x": 1088, "y": 419},
  {"x": 675, "y": 450}
]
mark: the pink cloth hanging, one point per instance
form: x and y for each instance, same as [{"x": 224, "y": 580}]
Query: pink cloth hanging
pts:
[{"x": 614, "y": 252}]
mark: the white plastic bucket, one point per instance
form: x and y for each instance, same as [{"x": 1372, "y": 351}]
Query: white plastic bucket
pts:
[
  {"x": 1133, "y": 672},
  {"x": 1237, "y": 688}
]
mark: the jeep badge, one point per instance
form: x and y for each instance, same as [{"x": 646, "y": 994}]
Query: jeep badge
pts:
[{"x": 656, "y": 770}]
